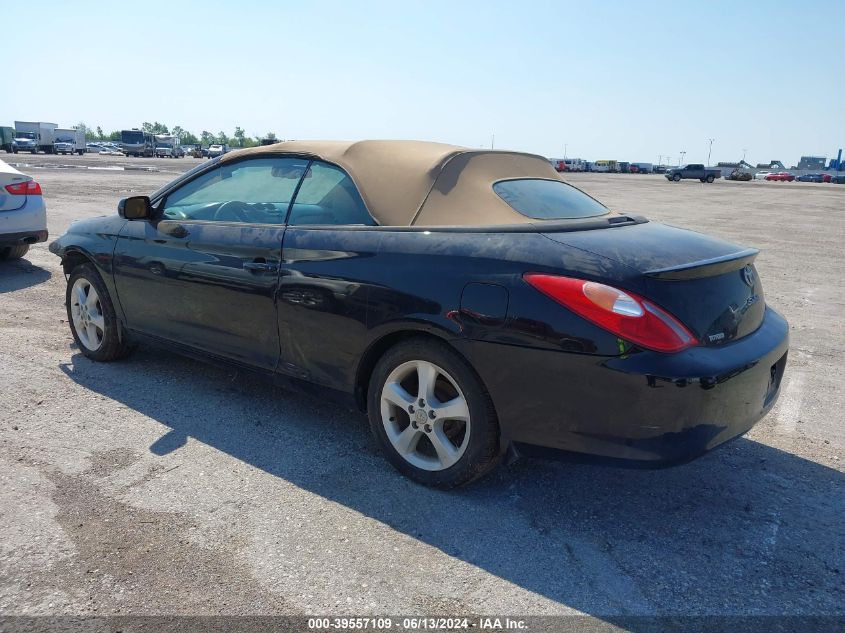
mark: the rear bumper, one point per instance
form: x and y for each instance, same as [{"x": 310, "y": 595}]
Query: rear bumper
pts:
[
  {"x": 26, "y": 225},
  {"x": 27, "y": 237},
  {"x": 646, "y": 409}
]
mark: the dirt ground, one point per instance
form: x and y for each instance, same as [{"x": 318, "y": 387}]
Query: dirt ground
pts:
[{"x": 160, "y": 485}]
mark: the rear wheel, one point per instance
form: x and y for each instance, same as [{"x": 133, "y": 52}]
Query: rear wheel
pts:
[
  {"x": 92, "y": 318},
  {"x": 13, "y": 252},
  {"x": 710, "y": 179},
  {"x": 431, "y": 415}
]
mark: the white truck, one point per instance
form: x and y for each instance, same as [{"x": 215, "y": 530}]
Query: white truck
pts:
[
  {"x": 34, "y": 136},
  {"x": 167, "y": 146},
  {"x": 69, "y": 141}
]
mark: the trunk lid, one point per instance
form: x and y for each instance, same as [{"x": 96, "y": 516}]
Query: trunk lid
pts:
[{"x": 709, "y": 284}]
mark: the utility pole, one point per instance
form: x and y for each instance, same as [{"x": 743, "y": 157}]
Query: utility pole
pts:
[
  {"x": 659, "y": 160},
  {"x": 710, "y": 150},
  {"x": 743, "y": 154},
  {"x": 682, "y": 153},
  {"x": 565, "y": 145},
  {"x": 492, "y": 139}
]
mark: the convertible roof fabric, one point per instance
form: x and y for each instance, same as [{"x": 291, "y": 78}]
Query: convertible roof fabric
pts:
[{"x": 416, "y": 183}]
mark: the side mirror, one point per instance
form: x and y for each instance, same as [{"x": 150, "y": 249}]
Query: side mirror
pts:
[{"x": 134, "y": 208}]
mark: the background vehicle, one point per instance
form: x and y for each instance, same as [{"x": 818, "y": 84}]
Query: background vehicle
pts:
[
  {"x": 583, "y": 330},
  {"x": 838, "y": 179},
  {"x": 93, "y": 147},
  {"x": 23, "y": 216},
  {"x": 643, "y": 168},
  {"x": 35, "y": 136},
  {"x": 607, "y": 166},
  {"x": 813, "y": 178},
  {"x": 739, "y": 174},
  {"x": 568, "y": 164},
  {"x": 217, "y": 150},
  {"x": 781, "y": 176},
  {"x": 136, "y": 142},
  {"x": 693, "y": 171},
  {"x": 69, "y": 141},
  {"x": 761, "y": 175},
  {"x": 167, "y": 146},
  {"x": 7, "y": 138}
]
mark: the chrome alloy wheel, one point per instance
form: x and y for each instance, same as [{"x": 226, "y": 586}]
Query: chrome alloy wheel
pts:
[
  {"x": 87, "y": 314},
  {"x": 425, "y": 415}
]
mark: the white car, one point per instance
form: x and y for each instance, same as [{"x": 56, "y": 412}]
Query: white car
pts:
[
  {"x": 761, "y": 175},
  {"x": 23, "y": 215},
  {"x": 217, "y": 150}
]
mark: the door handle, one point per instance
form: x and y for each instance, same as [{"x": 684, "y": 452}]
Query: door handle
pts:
[{"x": 261, "y": 266}]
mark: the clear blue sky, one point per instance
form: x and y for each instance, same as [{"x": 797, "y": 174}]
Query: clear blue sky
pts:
[{"x": 628, "y": 80}]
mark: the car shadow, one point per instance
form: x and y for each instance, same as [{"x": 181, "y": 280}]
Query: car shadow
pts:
[
  {"x": 748, "y": 529},
  {"x": 18, "y": 274}
]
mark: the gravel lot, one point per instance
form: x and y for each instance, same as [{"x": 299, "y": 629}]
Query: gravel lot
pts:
[{"x": 160, "y": 485}]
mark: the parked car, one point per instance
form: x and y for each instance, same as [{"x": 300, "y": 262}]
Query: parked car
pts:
[
  {"x": 838, "y": 179},
  {"x": 470, "y": 301},
  {"x": 781, "y": 176},
  {"x": 93, "y": 147},
  {"x": 738, "y": 174},
  {"x": 693, "y": 171},
  {"x": 111, "y": 151},
  {"x": 23, "y": 215},
  {"x": 761, "y": 175},
  {"x": 217, "y": 150},
  {"x": 813, "y": 178}
]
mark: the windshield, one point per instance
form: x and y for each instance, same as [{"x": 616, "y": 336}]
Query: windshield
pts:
[
  {"x": 30, "y": 135},
  {"x": 548, "y": 199},
  {"x": 132, "y": 136}
]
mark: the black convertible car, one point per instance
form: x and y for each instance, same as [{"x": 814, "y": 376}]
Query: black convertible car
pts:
[{"x": 473, "y": 303}]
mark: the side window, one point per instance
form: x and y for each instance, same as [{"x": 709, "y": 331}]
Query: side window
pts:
[
  {"x": 328, "y": 196},
  {"x": 256, "y": 191}
]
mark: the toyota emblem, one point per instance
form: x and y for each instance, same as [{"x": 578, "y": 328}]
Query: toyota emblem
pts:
[{"x": 748, "y": 275}]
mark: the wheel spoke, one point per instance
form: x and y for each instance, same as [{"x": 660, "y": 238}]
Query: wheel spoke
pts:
[
  {"x": 427, "y": 376},
  {"x": 447, "y": 452},
  {"x": 396, "y": 394},
  {"x": 406, "y": 441},
  {"x": 91, "y": 330},
  {"x": 99, "y": 321},
  {"x": 454, "y": 409},
  {"x": 80, "y": 295},
  {"x": 92, "y": 298}
]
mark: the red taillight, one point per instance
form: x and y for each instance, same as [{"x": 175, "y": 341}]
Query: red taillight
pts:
[
  {"x": 30, "y": 188},
  {"x": 625, "y": 314}
]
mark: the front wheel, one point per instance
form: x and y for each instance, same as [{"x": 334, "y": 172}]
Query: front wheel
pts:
[
  {"x": 677, "y": 177},
  {"x": 92, "y": 318},
  {"x": 432, "y": 416}
]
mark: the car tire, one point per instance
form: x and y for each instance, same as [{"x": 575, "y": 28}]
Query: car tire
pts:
[
  {"x": 435, "y": 450},
  {"x": 710, "y": 179},
  {"x": 92, "y": 319},
  {"x": 13, "y": 252},
  {"x": 676, "y": 178}
]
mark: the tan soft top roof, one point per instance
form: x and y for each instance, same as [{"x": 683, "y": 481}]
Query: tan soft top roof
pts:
[{"x": 405, "y": 183}]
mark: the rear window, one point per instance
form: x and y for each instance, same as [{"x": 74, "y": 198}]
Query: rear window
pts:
[{"x": 548, "y": 199}]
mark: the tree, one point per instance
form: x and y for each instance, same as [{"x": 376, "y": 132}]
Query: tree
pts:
[
  {"x": 154, "y": 128},
  {"x": 114, "y": 136},
  {"x": 222, "y": 138},
  {"x": 270, "y": 135},
  {"x": 240, "y": 135},
  {"x": 189, "y": 139},
  {"x": 99, "y": 133},
  {"x": 85, "y": 129},
  {"x": 178, "y": 132},
  {"x": 207, "y": 137}
]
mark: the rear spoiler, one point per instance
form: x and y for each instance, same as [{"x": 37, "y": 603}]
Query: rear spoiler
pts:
[{"x": 706, "y": 267}]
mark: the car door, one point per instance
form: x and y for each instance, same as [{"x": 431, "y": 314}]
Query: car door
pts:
[
  {"x": 203, "y": 272},
  {"x": 323, "y": 293}
]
